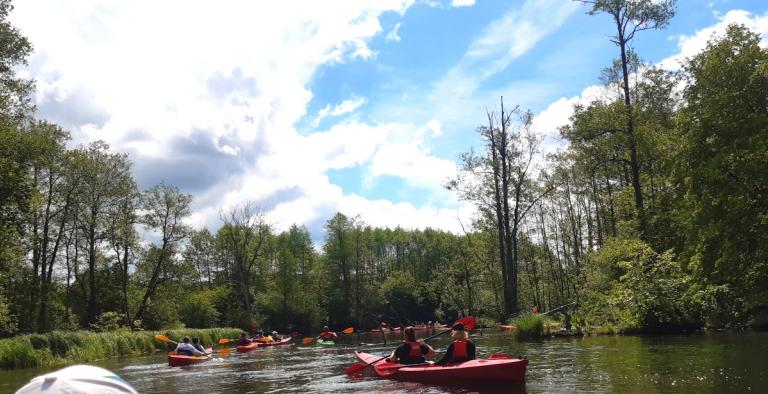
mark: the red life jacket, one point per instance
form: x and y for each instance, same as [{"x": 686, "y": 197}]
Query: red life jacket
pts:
[
  {"x": 415, "y": 349},
  {"x": 328, "y": 335},
  {"x": 459, "y": 351}
]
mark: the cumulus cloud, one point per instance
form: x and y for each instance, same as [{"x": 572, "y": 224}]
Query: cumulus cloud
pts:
[{"x": 691, "y": 45}]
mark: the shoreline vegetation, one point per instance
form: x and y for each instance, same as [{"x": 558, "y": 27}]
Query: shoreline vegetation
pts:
[{"x": 58, "y": 348}]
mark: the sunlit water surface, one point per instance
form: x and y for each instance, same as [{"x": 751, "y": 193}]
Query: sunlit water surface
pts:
[{"x": 700, "y": 363}]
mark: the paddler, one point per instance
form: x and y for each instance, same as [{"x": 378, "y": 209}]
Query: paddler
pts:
[
  {"x": 327, "y": 334},
  {"x": 244, "y": 341},
  {"x": 462, "y": 349},
  {"x": 412, "y": 351},
  {"x": 197, "y": 345},
  {"x": 187, "y": 349}
]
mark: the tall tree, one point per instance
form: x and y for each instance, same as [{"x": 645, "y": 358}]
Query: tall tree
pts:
[
  {"x": 165, "y": 208},
  {"x": 630, "y": 17},
  {"x": 105, "y": 182}
]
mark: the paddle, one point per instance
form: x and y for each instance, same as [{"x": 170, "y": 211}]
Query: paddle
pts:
[
  {"x": 308, "y": 340},
  {"x": 468, "y": 322},
  {"x": 224, "y": 341},
  {"x": 164, "y": 338},
  {"x": 349, "y": 330}
]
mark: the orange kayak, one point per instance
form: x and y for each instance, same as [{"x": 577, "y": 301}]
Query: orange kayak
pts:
[
  {"x": 497, "y": 369},
  {"x": 178, "y": 360},
  {"x": 254, "y": 345}
]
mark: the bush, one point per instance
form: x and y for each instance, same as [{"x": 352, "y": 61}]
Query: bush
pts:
[
  {"x": 651, "y": 294},
  {"x": 109, "y": 321},
  {"x": 529, "y": 325},
  {"x": 199, "y": 310}
]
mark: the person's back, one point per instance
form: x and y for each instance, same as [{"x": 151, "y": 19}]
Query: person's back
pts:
[
  {"x": 187, "y": 349},
  {"x": 197, "y": 345},
  {"x": 412, "y": 351}
]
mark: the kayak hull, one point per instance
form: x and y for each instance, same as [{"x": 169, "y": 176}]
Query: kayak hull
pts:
[
  {"x": 178, "y": 360},
  {"x": 254, "y": 345},
  {"x": 471, "y": 372},
  {"x": 325, "y": 343}
]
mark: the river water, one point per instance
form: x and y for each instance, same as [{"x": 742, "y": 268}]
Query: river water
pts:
[{"x": 700, "y": 363}]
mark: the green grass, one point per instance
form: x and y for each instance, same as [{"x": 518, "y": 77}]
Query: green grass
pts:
[
  {"x": 530, "y": 325},
  {"x": 66, "y": 347}
]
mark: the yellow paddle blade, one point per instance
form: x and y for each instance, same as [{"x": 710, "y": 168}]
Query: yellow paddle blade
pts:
[
  {"x": 163, "y": 338},
  {"x": 349, "y": 330},
  {"x": 224, "y": 341},
  {"x": 308, "y": 340}
]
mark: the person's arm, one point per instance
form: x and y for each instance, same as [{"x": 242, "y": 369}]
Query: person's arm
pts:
[{"x": 447, "y": 356}]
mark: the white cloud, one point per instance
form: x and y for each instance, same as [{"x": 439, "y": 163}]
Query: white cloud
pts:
[
  {"x": 392, "y": 35},
  {"x": 462, "y": 3},
  {"x": 345, "y": 107},
  {"x": 691, "y": 45},
  {"x": 503, "y": 41}
]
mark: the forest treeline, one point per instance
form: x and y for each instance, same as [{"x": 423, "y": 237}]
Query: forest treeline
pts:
[{"x": 655, "y": 218}]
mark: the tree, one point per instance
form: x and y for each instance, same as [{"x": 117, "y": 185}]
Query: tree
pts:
[
  {"x": 165, "y": 209},
  {"x": 106, "y": 182},
  {"x": 630, "y": 17},
  {"x": 244, "y": 236},
  {"x": 500, "y": 182},
  {"x": 721, "y": 173}
]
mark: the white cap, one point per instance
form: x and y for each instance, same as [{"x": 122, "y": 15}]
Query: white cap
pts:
[{"x": 78, "y": 379}]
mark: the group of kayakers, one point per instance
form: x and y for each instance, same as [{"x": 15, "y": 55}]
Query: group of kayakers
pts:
[
  {"x": 413, "y": 351},
  {"x": 259, "y": 336}
]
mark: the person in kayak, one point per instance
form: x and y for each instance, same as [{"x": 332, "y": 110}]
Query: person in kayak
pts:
[
  {"x": 244, "y": 341},
  {"x": 187, "y": 349},
  {"x": 412, "y": 351},
  {"x": 197, "y": 345},
  {"x": 462, "y": 349},
  {"x": 327, "y": 334}
]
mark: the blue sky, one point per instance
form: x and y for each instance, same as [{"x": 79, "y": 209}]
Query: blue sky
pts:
[{"x": 311, "y": 108}]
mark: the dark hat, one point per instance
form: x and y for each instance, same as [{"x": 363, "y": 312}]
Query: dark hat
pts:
[{"x": 458, "y": 327}]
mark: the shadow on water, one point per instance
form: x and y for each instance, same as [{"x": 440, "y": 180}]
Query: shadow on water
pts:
[{"x": 717, "y": 362}]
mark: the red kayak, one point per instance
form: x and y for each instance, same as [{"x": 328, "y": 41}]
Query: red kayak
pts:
[
  {"x": 497, "y": 369},
  {"x": 178, "y": 360},
  {"x": 254, "y": 345}
]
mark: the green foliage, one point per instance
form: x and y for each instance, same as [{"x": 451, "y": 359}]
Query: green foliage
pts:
[
  {"x": 109, "y": 321},
  {"x": 199, "y": 310},
  {"x": 529, "y": 325},
  {"x": 59, "y": 347},
  {"x": 649, "y": 291}
]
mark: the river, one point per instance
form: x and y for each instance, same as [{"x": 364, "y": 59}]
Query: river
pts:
[{"x": 721, "y": 362}]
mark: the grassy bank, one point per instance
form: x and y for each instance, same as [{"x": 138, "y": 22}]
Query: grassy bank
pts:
[{"x": 66, "y": 347}]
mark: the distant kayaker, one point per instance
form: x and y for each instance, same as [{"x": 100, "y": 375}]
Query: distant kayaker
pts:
[
  {"x": 462, "y": 349},
  {"x": 244, "y": 341},
  {"x": 412, "y": 351},
  {"x": 187, "y": 349},
  {"x": 197, "y": 345},
  {"x": 327, "y": 334}
]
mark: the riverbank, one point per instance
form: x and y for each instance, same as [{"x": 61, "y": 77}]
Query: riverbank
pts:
[{"x": 58, "y": 348}]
